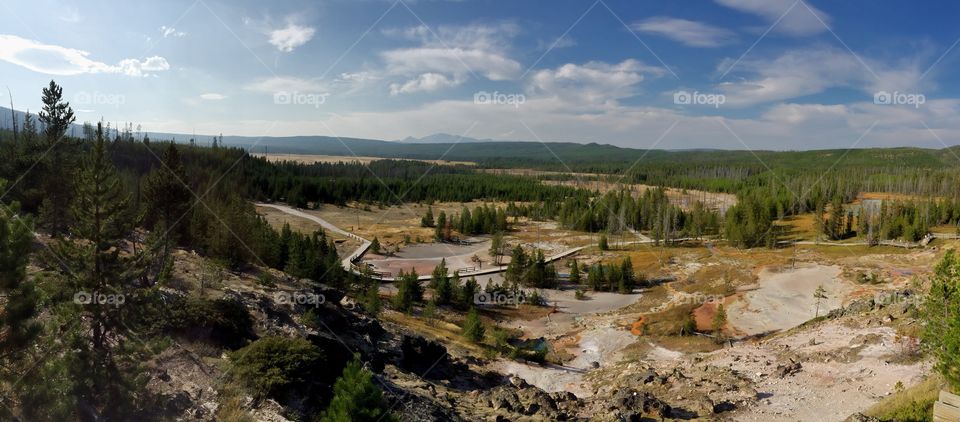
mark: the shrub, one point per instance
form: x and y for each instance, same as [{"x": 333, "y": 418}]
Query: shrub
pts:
[{"x": 274, "y": 366}]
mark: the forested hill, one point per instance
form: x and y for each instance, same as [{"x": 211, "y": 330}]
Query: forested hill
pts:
[{"x": 562, "y": 156}]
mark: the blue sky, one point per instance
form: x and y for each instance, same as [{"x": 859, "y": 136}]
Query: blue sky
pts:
[{"x": 759, "y": 74}]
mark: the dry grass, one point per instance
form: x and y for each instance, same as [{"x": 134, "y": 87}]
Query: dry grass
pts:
[
  {"x": 913, "y": 403},
  {"x": 440, "y": 329},
  {"x": 312, "y": 159}
]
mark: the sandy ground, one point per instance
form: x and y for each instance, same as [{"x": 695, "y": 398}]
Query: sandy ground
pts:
[
  {"x": 849, "y": 372},
  {"x": 785, "y": 299}
]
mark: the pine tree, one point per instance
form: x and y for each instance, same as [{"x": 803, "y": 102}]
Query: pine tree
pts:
[
  {"x": 473, "y": 328},
  {"x": 104, "y": 365},
  {"x": 409, "y": 291},
  {"x": 719, "y": 320},
  {"x": 941, "y": 317},
  {"x": 575, "y": 272},
  {"x": 356, "y": 398},
  {"x": 371, "y": 300},
  {"x": 819, "y": 295},
  {"x": 17, "y": 318},
  {"x": 496, "y": 247},
  {"x": 427, "y": 220},
  {"x": 604, "y": 246},
  {"x": 375, "y": 245},
  {"x": 58, "y": 165},
  {"x": 167, "y": 202}
]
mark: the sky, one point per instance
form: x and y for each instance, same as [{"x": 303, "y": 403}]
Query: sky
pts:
[{"x": 730, "y": 74}]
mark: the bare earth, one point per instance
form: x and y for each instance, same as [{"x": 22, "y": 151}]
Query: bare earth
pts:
[{"x": 785, "y": 299}]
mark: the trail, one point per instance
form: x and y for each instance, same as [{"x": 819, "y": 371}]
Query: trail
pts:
[{"x": 365, "y": 245}]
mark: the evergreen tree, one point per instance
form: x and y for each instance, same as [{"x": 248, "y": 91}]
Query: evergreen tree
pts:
[
  {"x": 409, "y": 291},
  {"x": 102, "y": 365},
  {"x": 473, "y": 327},
  {"x": 356, "y": 398},
  {"x": 575, "y": 272},
  {"x": 497, "y": 246},
  {"x": 819, "y": 295},
  {"x": 719, "y": 320},
  {"x": 167, "y": 202},
  {"x": 427, "y": 220},
  {"x": 58, "y": 165},
  {"x": 941, "y": 317},
  {"x": 440, "y": 283},
  {"x": 17, "y": 318},
  {"x": 604, "y": 246}
]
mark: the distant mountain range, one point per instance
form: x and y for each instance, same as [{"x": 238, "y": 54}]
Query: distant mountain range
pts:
[
  {"x": 557, "y": 155},
  {"x": 442, "y": 138}
]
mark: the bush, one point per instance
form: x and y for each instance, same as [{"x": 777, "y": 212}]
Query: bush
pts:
[
  {"x": 275, "y": 366},
  {"x": 223, "y": 322}
]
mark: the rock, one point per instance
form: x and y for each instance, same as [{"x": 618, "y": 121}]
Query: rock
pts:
[
  {"x": 789, "y": 369},
  {"x": 860, "y": 417}
]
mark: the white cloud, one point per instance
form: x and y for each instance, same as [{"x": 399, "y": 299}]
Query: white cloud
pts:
[
  {"x": 290, "y": 37},
  {"x": 798, "y": 73},
  {"x": 168, "y": 31},
  {"x": 425, "y": 82},
  {"x": 592, "y": 82},
  {"x": 56, "y": 60},
  {"x": 802, "y": 19},
  {"x": 212, "y": 96},
  {"x": 276, "y": 84},
  {"x": 447, "y": 56},
  {"x": 694, "y": 34},
  {"x": 456, "y": 61}
]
